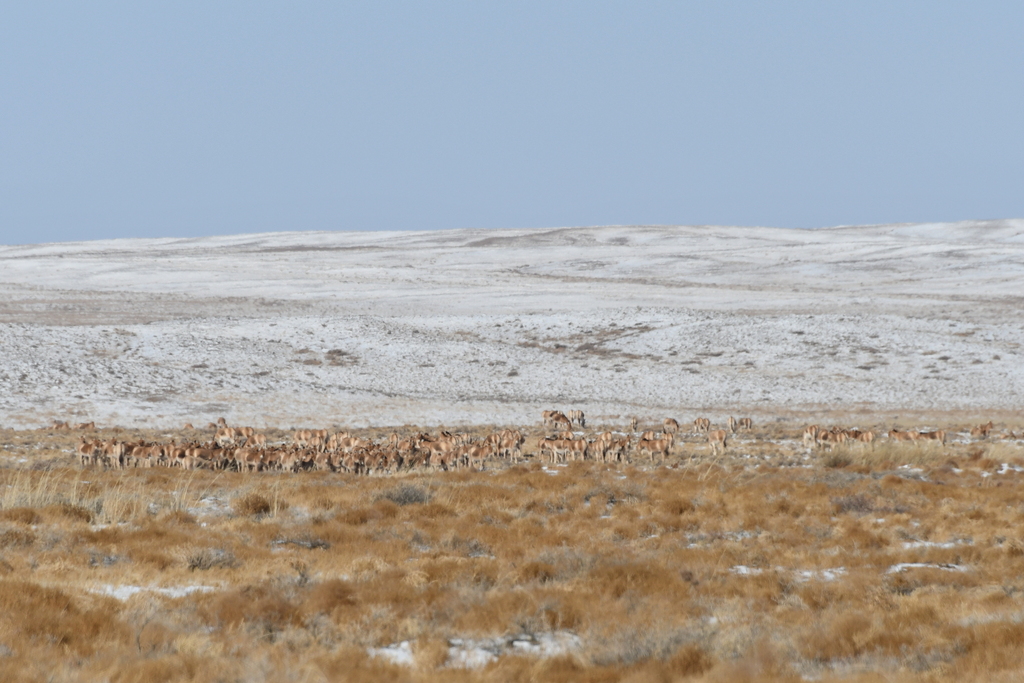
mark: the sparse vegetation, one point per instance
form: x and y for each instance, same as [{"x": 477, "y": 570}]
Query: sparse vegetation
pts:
[
  {"x": 770, "y": 561},
  {"x": 406, "y": 495}
]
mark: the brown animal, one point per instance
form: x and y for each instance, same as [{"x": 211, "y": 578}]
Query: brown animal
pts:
[
  {"x": 655, "y": 447},
  {"x": 86, "y": 451},
  {"x": 226, "y": 436},
  {"x": 746, "y": 423},
  {"x": 732, "y": 424},
  {"x": 670, "y": 426},
  {"x": 248, "y": 459},
  {"x": 718, "y": 439},
  {"x": 867, "y": 437},
  {"x": 553, "y": 417},
  {"x": 897, "y": 435},
  {"x": 561, "y": 422},
  {"x": 981, "y": 431},
  {"x": 702, "y": 425},
  {"x": 827, "y": 438}
]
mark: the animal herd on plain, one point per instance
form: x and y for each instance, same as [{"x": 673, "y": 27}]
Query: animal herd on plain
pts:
[{"x": 247, "y": 450}]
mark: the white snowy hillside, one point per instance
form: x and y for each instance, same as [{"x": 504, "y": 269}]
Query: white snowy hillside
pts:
[{"x": 474, "y": 326}]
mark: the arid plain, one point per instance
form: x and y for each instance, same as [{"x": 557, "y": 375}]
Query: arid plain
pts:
[{"x": 779, "y": 559}]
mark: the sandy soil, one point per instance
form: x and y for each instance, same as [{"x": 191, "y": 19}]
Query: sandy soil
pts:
[{"x": 492, "y": 326}]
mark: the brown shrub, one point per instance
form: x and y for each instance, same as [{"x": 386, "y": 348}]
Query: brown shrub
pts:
[
  {"x": 358, "y": 516},
  {"x": 406, "y": 494},
  {"x": 75, "y": 512},
  {"x": 837, "y": 459},
  {"x": 537, "y": 571},
  {"x": 430, "y": 653},
  {"x": 842, "y": 638},
  {"x": 689, "y": 660},
  {"x": 322, "y": 504},
  {"x": 26, "y": 516},
  {"x": 252, "y": 505},
  {"x": 328, "y": 596},
  {"x": 16, "y": 538},
  {"x": 177, "y": 517},
  {"x": 353, "y": 665},
  {"x": 50, "y": 618},
  {"x": 677, "y": 506},
  {"x": 209, "y": 558},
  {"x": 263, "y": 606}
]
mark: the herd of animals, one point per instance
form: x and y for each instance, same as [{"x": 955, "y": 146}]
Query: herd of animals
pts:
[{"x": 245, "y": 449}]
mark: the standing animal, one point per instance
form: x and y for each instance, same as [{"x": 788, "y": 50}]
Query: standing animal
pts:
[
  {"x": 554, "y": 417},
  {"x": 718, "y": 439},
  {"x": 811, "y": 435},
  {"x": 897, "y": 435},
  {"x": 981, "y": 431},
  {"x": 560, "y": 421},
  {"x": 658, "y": 446}
]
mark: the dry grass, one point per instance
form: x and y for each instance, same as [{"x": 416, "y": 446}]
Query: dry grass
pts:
[{"x": 900, "y": 562}]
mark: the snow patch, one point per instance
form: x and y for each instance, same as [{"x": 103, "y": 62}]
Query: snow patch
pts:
[
  {"x": 124, "y": 592},
  {"x": 466, "y": 653},
  {"x": 904, "y": 566}
]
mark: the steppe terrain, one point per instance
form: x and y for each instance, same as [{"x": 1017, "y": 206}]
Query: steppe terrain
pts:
[
  {"x": 776, "y": 560},
  {"x": 490, "y": 326}
]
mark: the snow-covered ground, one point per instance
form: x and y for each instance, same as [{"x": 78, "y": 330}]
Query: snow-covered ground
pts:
[{"x": 478, "y": 326}]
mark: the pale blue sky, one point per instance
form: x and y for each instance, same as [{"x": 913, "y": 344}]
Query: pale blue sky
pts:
[{"x": 203, "y": 118}]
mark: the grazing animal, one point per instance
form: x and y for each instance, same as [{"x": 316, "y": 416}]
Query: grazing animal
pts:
[
  {"x": 702, "y": 425},
  {"x": 633, "y": 424},
  {"x": 829, "y": 437},
  {"x": 670, "y": 426},
  {"x": 897, "y": 435},
  {"x": 746, "y": 423},
  {"x": 732, "y": 424},
  {"x": 226, "y": 436},
  {"x": 577, "y": 417},
  {"x": 561, "y": 422},
  {"x": 867, "y": 437},
  {"x": 718, "y": 439},
  {"x": 811, "y": 435},
  {"x": 553, "y": 417}
]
